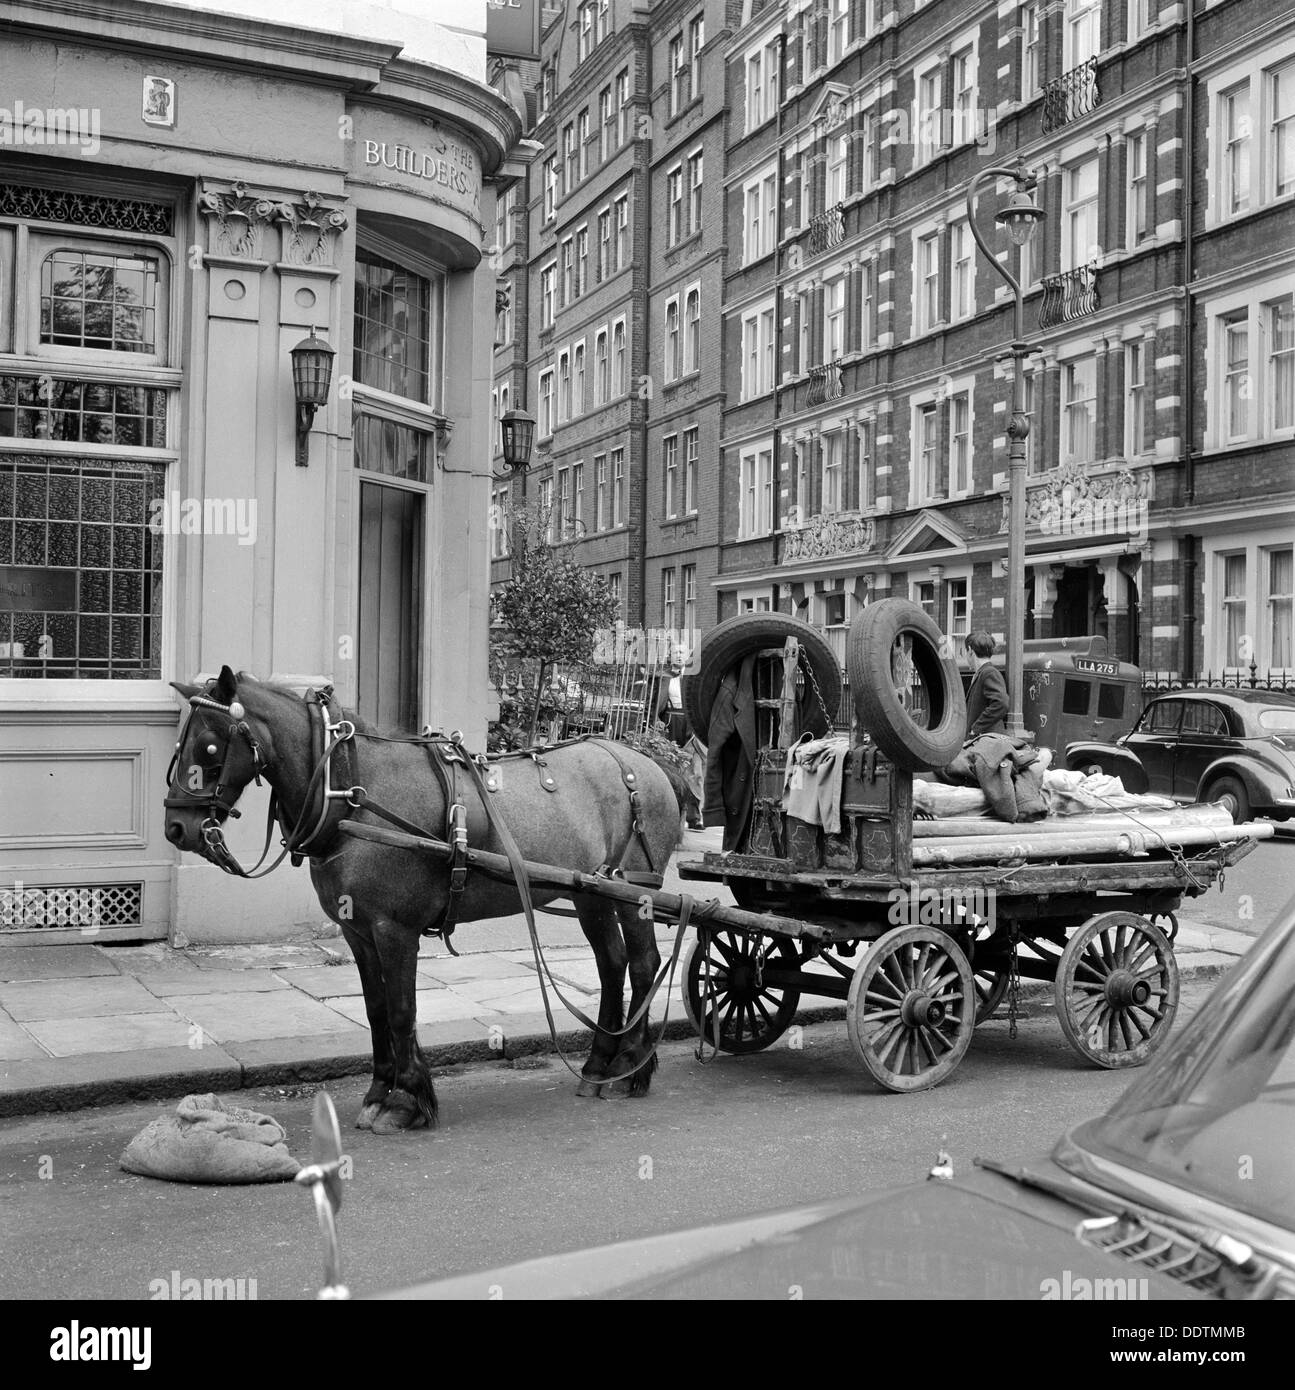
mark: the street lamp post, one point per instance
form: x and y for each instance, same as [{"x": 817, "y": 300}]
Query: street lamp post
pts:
[{"x": 1019, "y": 217}]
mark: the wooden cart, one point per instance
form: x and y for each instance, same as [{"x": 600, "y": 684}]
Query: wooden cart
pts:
[{"x": 921, "y": 956}]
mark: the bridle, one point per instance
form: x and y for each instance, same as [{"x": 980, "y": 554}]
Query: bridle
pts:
[{"x": 327, "y": 736}]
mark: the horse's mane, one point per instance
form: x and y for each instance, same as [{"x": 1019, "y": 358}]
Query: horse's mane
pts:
[{"x": 363, "y": 726}]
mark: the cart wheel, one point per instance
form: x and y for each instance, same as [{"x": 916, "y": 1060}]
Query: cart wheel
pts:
[
  {"x": 751, "y": 1016},
  {"x": 911, "y": 1010},
  {"x": 991, "y": 985},
  {"x": 1117, "y": 989}
]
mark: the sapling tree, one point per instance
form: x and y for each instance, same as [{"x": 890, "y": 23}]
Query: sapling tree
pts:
[{"x": 551, "y": 608}]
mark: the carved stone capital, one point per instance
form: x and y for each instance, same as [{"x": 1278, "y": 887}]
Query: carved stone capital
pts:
[{"x": 310, "y": 228}]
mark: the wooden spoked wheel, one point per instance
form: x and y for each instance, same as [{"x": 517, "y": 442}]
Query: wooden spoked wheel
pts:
[
  {"x": 749, "y": 988},
  {"x": 912, "y": 1008},
  {"x": 1117, "y": 989}
]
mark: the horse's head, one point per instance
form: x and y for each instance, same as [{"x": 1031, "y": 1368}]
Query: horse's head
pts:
[{"x": 220, "y": 750}]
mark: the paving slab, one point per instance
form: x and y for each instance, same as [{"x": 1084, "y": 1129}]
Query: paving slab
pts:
[
  {"x": 149, "y": 958},
  {"x": 259, "y": 957},
  {"x": 25, "y": 1000},
  {"x": 105, "y": 1078},
  {"x": 307, "y": 1057},
  {"x": 530, "y": 1002},
  {"x": 239, "y": 1016},
  {"x": 502, "y": 988},
  {"x": 114, "y": 1033},
  {"x": 323, "y": 981},
  {"x": 16, "y": 1042},
  {"x": 53, "y": 962},
  {"x": 213, "y": 982},
  {"x": 483, "y": 966}
]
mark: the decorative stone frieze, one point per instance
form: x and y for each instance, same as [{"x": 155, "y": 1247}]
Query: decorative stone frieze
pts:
[{"x": 824, "y": 537}]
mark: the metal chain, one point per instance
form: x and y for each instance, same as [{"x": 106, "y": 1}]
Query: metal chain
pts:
[
  {"x": 818, "y": 694},
  {"x": 1013, "y": 982}
]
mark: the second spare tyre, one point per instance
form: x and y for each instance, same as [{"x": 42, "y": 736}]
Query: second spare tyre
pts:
[
  {"x": 728, "y": 642},
  {"x": 907, "y": 690}
]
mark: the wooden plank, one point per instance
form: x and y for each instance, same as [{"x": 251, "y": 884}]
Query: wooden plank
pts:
[
  {"x": 668, "y": 905},
  {"x": 947, "y": 826}
]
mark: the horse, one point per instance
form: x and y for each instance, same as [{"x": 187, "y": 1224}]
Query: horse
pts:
[{"x": 589, "y": 805}]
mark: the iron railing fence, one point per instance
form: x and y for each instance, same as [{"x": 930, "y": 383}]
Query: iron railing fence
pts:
[
  {"x": 1239, "y": 679},
  {"x": 616, "y": 698}
]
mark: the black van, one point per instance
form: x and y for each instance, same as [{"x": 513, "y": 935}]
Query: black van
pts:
[{"x": 1074, "y": 689}]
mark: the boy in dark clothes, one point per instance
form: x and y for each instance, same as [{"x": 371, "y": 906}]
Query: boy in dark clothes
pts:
[{"x": 987, "y": 696}]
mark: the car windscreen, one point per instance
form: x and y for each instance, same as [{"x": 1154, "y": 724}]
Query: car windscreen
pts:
[{"x": 1217, "y": 1117}]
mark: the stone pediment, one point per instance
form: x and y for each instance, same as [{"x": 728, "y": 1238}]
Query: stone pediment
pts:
[
  {"x": 833, "y": 104},
  {"x": 928, "y": 533}
]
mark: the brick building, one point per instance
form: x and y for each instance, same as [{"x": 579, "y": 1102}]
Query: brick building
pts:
[{"x": 834, "y": 346}]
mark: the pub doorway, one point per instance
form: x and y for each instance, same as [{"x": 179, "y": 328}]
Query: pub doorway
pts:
[{"x": 390, "y": 605}]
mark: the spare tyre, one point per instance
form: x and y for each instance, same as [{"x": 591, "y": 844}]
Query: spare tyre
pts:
[
  {"x": 728, "y": 642},
  {"x": 917, "y": 726}
]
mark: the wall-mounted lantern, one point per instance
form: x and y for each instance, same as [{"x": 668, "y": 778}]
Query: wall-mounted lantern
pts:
[
  {"x": 312, "y": 375},
  {"x": 517, "y": 429}
]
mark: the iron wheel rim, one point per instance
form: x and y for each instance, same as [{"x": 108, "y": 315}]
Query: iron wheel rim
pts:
[
  {"x": 911, "y": 1010},
  {"x": 750, "y": 1018},
  {"x": 1105, "y": 969}
]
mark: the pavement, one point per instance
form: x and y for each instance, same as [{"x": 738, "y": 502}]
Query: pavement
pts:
[{"x": 90, "y": 1024}]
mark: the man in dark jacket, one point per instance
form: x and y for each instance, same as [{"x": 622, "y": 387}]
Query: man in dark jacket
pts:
[
  {"x": 987, "y": 696},
  {"x": 731, "y": 755}
]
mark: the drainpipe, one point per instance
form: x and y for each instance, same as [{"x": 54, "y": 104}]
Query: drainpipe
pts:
[
  {"x": 1187, "y": 659},
  {"x": 1189, "y": 261},
  {"x": 1187, "y": 552},
  {"x": 779, "y": 224}
]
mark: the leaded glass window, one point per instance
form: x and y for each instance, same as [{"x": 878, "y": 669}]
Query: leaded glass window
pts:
[
  {"x": 393, "y": 312},
  {"x": 81, "y": 544},
  {"x": 386, "y": 446},
  {"x": 99, "y": 300},
  {"x": 83, "y": 412}
]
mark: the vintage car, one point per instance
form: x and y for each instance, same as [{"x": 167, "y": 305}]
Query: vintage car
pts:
[
  {"x": 1181, "y": 1190},
  {"x": 1232, "y": 746}
]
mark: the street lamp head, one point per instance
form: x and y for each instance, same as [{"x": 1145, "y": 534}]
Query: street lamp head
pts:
[{"x": 1019, "y": 217}]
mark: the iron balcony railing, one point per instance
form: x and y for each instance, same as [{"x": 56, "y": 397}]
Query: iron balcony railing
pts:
[
  {"x": 1070, "y": 295},
  {"x": 826, "y": 230},
  {"x": 824, "y": 384},
  {"x": 1073, "y": 94}
]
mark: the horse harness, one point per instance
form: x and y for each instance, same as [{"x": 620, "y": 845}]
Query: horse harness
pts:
[{"x": 333, "y": 748}]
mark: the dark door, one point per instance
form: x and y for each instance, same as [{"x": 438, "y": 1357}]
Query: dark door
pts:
[
  {"x": 1155, "y": 741},
  {"x": 1204, "y": 737},
  {"x": 391, "y": 549}
]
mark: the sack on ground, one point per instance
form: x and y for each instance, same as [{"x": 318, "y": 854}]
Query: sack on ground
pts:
[{"x": 207, "y": 1141}]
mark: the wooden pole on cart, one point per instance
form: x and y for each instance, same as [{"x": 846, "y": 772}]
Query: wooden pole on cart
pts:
[
  {"x": 667, "y": 906},
  {"x": 788, "y": 732}
]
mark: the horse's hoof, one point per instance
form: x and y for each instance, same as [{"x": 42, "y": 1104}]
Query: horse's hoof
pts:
[
  {"x": 398, "y": 1121},
  {"x": 368, "y": 1113},
  {"x": 400, "y": 1112},
  {"x": 590, "y": 1089}
]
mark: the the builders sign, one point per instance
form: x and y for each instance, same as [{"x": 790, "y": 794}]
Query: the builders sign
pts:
[{"x": 513, "y": 28}]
